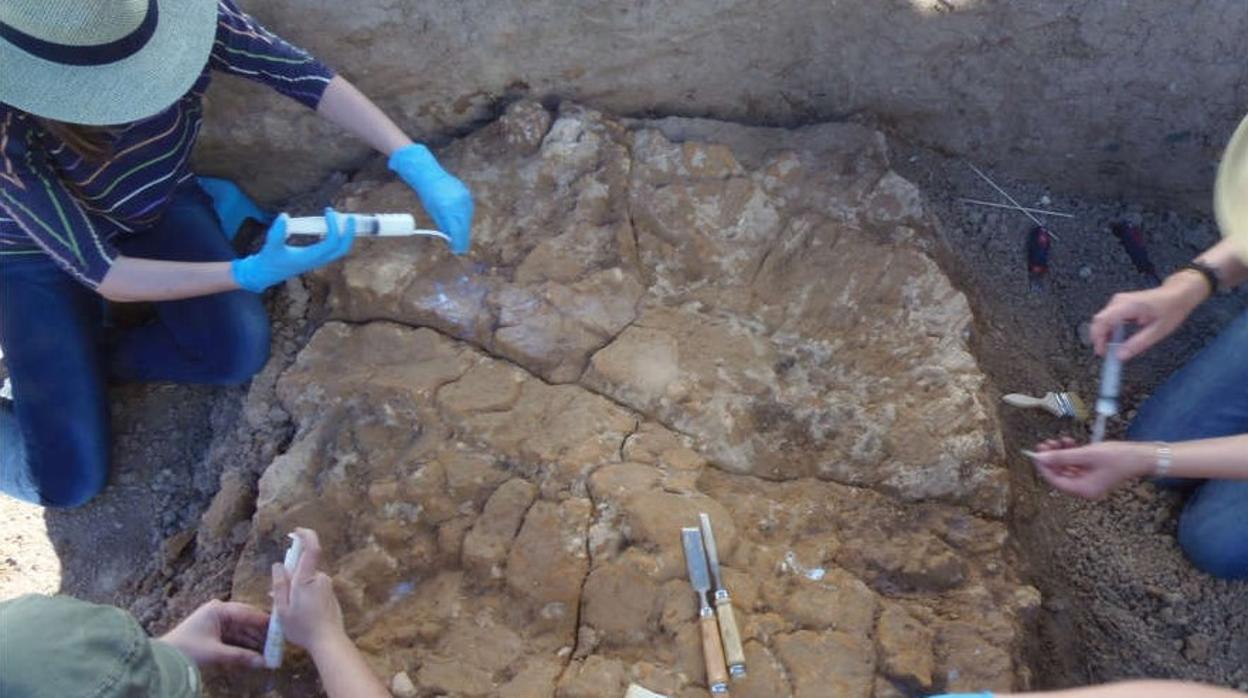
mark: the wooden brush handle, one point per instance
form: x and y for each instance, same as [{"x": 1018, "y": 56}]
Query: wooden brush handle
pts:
[
  {"x": 733, "y": 651},
  {"x": 1024, "y": 401},
  {"x": 716, "y": 672},
  {"x": 1050, "y": 403}
]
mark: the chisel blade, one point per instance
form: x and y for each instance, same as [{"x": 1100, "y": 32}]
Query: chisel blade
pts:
[
  {"x": 695, "y": 560},
  {"x": 712, "y": 551}
]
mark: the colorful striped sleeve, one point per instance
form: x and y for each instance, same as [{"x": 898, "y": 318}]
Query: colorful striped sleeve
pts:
[
  {"x": 33, "y": 197},
  {"x": 244, "y": 47}
]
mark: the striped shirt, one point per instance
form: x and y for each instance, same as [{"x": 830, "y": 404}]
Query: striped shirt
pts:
[{"x": 53, "y": 202}]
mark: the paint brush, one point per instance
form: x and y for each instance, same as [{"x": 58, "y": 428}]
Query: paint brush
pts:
[
  {"x": 712, "y": 650},
  {"x": 1066, "y": 405}
]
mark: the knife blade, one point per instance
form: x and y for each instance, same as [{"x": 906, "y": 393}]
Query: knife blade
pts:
[
  {"x": 699, "y": 577},
  {"x": 731, "y": 636}
]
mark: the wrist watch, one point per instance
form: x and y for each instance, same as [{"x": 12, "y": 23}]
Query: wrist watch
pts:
[{"x": 1210, "y": 274}]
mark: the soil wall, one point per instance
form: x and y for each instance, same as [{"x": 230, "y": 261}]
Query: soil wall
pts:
[{"x": 1096, "y": 98}]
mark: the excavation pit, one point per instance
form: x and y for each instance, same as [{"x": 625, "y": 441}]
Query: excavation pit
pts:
[{"x": 799, "y": 332}]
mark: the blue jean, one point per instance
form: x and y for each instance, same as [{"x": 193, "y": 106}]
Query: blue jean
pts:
[
  {"x": 1207, "y": 398},
  {"x": 54, "y": 436}
]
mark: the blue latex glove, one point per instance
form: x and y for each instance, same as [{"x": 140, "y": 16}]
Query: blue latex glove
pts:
[
  {"x": 446, "y": 199},
  {"x": 232, "y": 205},
  {"x": 277, "y": 261}
]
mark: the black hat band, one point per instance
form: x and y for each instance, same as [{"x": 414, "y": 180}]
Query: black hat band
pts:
[{"x": 98, "y": 54}]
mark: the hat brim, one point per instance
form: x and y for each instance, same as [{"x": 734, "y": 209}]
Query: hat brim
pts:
[
  {"x": 179, "y": 678},
  {"x": 1230, "y": 191},
  {"x": 134, "y": 88}
]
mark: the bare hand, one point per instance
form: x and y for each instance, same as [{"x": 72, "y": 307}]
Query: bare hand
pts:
[
  {"x": 1156, "y": 313},
  {"x": 222, "y": 633},
  {"x": 305, "y": 602},
  {"x": 1091, "y": 471}
]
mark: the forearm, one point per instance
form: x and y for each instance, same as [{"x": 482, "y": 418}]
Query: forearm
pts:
[
  {"x": 344, "y": 673},
  {"x": 1142, "y": 689},
  {"x": 1212, "y": 459},
  {"x": 133, "y": 279},
  {"x": 346, "y": 106},
  {"x": 1224, "y": 458}
]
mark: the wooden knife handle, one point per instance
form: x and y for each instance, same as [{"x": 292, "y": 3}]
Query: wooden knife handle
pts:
[
  {"x": 733, "y": 651},
  {"x": 716, "y": 672}
]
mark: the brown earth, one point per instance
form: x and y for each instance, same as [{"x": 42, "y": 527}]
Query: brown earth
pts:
[
  {"x": 661, "y": 318},
  {"x": 1100, "y": 98},
  {"x": 1120, "y": 599}
]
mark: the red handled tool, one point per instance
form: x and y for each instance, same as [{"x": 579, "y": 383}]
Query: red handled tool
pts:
[
  {"x": 1039, "y": 240},
  {"x": 1132, "y": 239}
]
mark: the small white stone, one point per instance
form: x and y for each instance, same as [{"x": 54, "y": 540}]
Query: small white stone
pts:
[{"x": 401, "y": 685}]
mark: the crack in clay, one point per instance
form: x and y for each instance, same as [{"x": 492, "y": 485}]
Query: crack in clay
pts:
[
  {"x": 580, "y": 592},
  {"x": 624, "y": 441},
  {"x": 515, "y": 364},
  {"x": 624, "y": 406}
]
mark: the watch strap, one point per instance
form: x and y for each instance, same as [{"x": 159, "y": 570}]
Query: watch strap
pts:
[{"x": 1211, "y": 275}]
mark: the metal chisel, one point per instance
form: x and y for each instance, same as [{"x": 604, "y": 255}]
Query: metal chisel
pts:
[
  {"x": 733, "y": 651},
  {"x": 712, "y": 650}
]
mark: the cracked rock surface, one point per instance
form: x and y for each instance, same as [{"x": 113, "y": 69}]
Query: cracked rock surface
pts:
[{"x": 657, "y": 319}]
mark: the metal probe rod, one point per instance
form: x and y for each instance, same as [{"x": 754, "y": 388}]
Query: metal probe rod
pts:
[
  {"x": 1009, "y": 198},
  {"x": 1041, "y": 211}
]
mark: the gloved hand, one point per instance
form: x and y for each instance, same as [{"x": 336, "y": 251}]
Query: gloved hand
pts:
[
  {"x": 447, "y": 200},
  {"x": 232, "y": 205},
  {"x": 277, "y": 261}
]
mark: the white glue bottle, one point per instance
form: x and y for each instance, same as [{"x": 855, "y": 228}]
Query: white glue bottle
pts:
[{"x": 275, "y": 642}]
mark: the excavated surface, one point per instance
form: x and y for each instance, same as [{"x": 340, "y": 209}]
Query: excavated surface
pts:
[{"x": 499, "y": 450}]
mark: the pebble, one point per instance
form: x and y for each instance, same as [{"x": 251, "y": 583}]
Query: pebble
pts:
[
  {"x": 1196, "y": 648},
  {"x": 401, "y": 685},
  {"x": 1085, "y": 329}
]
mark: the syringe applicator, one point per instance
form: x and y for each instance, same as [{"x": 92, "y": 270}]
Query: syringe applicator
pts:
[
  {"x": 1111, "y": 384},
  {"x": 378, "y": 224},
  {"x": 275, "y": 641}
]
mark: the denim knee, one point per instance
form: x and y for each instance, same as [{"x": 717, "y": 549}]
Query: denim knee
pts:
[
  {"x": 74, "y": 489},
  {"x": 1149, "y": 424},
  {"x": 1162, "y": 418},
  {"x": 244, "y": 346},
  {"x": 1214, "y": 536}
]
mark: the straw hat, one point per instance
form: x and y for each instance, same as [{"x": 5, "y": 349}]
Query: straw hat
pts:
[
  {"x": 1230, "y": 192},
  {"x": 102, "y": 62}
]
